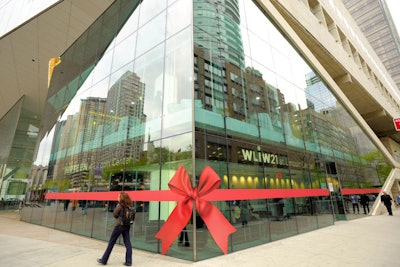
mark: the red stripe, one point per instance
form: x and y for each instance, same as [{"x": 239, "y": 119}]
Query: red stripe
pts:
[
  {"x": 162, "y": 195},
  {"x": 360, "y": 191},
  {"x": 216, "y": 195}
]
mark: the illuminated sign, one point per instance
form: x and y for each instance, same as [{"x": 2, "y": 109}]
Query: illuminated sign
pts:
[
  {"x": 272, "y": 158},
  {"x": 264, "y": 157}
]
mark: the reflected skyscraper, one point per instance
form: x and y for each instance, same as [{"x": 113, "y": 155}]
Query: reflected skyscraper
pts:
[{"x": 375, "y": 21}]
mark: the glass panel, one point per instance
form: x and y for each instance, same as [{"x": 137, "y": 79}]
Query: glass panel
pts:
[
  {"x": 150, "y": 69},
  {"x": 177, "y": 93},
  {"x": 123, "y": 53},
  {"x": 50, "y": 212},
  {"x": 149, "y": 212},
  {"x": 175, "y": 151},
  {"x": 157, "y": 28},
  {"x": 249, "y": 219},
  {"x": 181, "y": 9},
  {"x": 83, "y": 224},
  {"x": 149, "y": 9},
  {"x": 281, "y": 225},
  {"x": 324, "y": 211},
  {"x": 64, "y": 216},
  {"x": 38, "y": 212},
  {"x": 25, "y": 213},
  {"x": 305, "y": 216},
  {"x": 128, "y": 28},
  {"x": 102, "y": 69},
  {"x": 103, "y": 220}
]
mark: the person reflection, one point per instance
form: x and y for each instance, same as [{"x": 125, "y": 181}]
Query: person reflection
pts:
[
  {"x": 244, "y": 212},
  {"x": 66, "y": 203},
  {"x": 183, "y": 238},
  {"x": 236, "y": 212}
]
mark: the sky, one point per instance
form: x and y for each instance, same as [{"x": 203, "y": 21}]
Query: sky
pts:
[
  {"x": 394, "y": 7},
  {"x": 8, "y": 19}
]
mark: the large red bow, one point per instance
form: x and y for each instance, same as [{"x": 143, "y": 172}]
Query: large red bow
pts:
[{"x": 218, "y": 226}]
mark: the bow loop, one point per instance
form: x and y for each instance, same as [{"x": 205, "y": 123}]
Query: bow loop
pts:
[
  {"x": 180, "y": 183},
  {"x": 209, "y": 181}
]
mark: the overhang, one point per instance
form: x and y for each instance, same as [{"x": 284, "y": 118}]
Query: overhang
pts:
[{"x": 25, "y": 52}]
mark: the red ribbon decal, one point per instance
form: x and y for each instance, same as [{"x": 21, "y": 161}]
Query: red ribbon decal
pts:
[
  {"x": 181, "y": 190},
  {"x": 218, "y": 226}
]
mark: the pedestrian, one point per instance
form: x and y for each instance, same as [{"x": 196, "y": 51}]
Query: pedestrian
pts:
[
  {"x": 387, "y": 201},
  {"x": 74, "y": 202},
  {"x": 364, "y": 200},
  {"x": 119, "y": 229},
  {"x": 398, "y": 198},
  {"x": 84, "y": 207},
  {"x": 66, "y": 203},
  {"x": 253, "y": 213},
  {"x": 244, "y": 212},
  {"x": 354, "y": 200}
]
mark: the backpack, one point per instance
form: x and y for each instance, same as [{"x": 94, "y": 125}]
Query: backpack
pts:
[{"x": 128, "y": 215}]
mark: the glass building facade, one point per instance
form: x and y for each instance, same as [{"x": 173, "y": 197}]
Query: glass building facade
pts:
[{"x": 142, "y": 93}]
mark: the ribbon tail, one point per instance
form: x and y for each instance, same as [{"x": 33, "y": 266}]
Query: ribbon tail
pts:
[
  {"x": 173, "y": 226},
  {"x": 219, "y": 227}
]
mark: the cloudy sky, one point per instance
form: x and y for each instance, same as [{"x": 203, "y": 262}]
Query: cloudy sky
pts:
[
  {"x": 394, "y": 6},
  {"x": 27, "y": 8}
]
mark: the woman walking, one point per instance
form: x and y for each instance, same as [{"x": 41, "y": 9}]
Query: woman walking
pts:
[{"x": 124, "y": 201}]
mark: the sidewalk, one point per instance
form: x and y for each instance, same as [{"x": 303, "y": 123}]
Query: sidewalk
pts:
[{"x": 373, "y": 241}]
